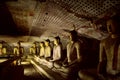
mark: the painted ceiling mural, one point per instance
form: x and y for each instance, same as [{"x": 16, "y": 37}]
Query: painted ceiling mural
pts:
[{"x": 41, "y": 19}]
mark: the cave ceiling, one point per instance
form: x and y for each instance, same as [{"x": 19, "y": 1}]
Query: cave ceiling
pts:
[{"x": 49, "y": 18}]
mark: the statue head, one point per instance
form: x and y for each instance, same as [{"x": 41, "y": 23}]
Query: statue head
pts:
[
  {"x": 47, "y": 42},
  {"x": 34, "y": 44},
  {"x": 73, "y": 35},
  {"x": 41, "y": 44},
  {"x": 18, "y": 44},
  {"x": 113, "y": 25},
  {"x": 57, "y": 40}
]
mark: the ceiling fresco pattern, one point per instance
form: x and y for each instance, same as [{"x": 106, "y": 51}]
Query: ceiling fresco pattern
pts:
[{"x": 51, "y": 18}]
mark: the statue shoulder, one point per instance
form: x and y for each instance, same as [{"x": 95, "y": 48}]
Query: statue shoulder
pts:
[
  {"x": 106, "y": 41},
  {"x": 77, "y": 44}
]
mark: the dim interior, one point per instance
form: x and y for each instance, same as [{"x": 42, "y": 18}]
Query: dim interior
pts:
[{"x": 81, "y": 25}]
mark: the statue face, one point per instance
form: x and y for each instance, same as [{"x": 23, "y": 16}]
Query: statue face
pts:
[
  {"x": 111, "y": 27},
  {"x": 18, "y": 45},
  {"x": 41, "y": 44},
  {"x": 46, "y": 43},
  {"x": 71, "y": 37},
  {"x": 55, "y": 42}
]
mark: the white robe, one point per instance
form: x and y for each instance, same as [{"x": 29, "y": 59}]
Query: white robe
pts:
[
  {"x": 48, "y": 51},
  {"x": 57, "y": 52},
  {"x": 42, "y": 51}
]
